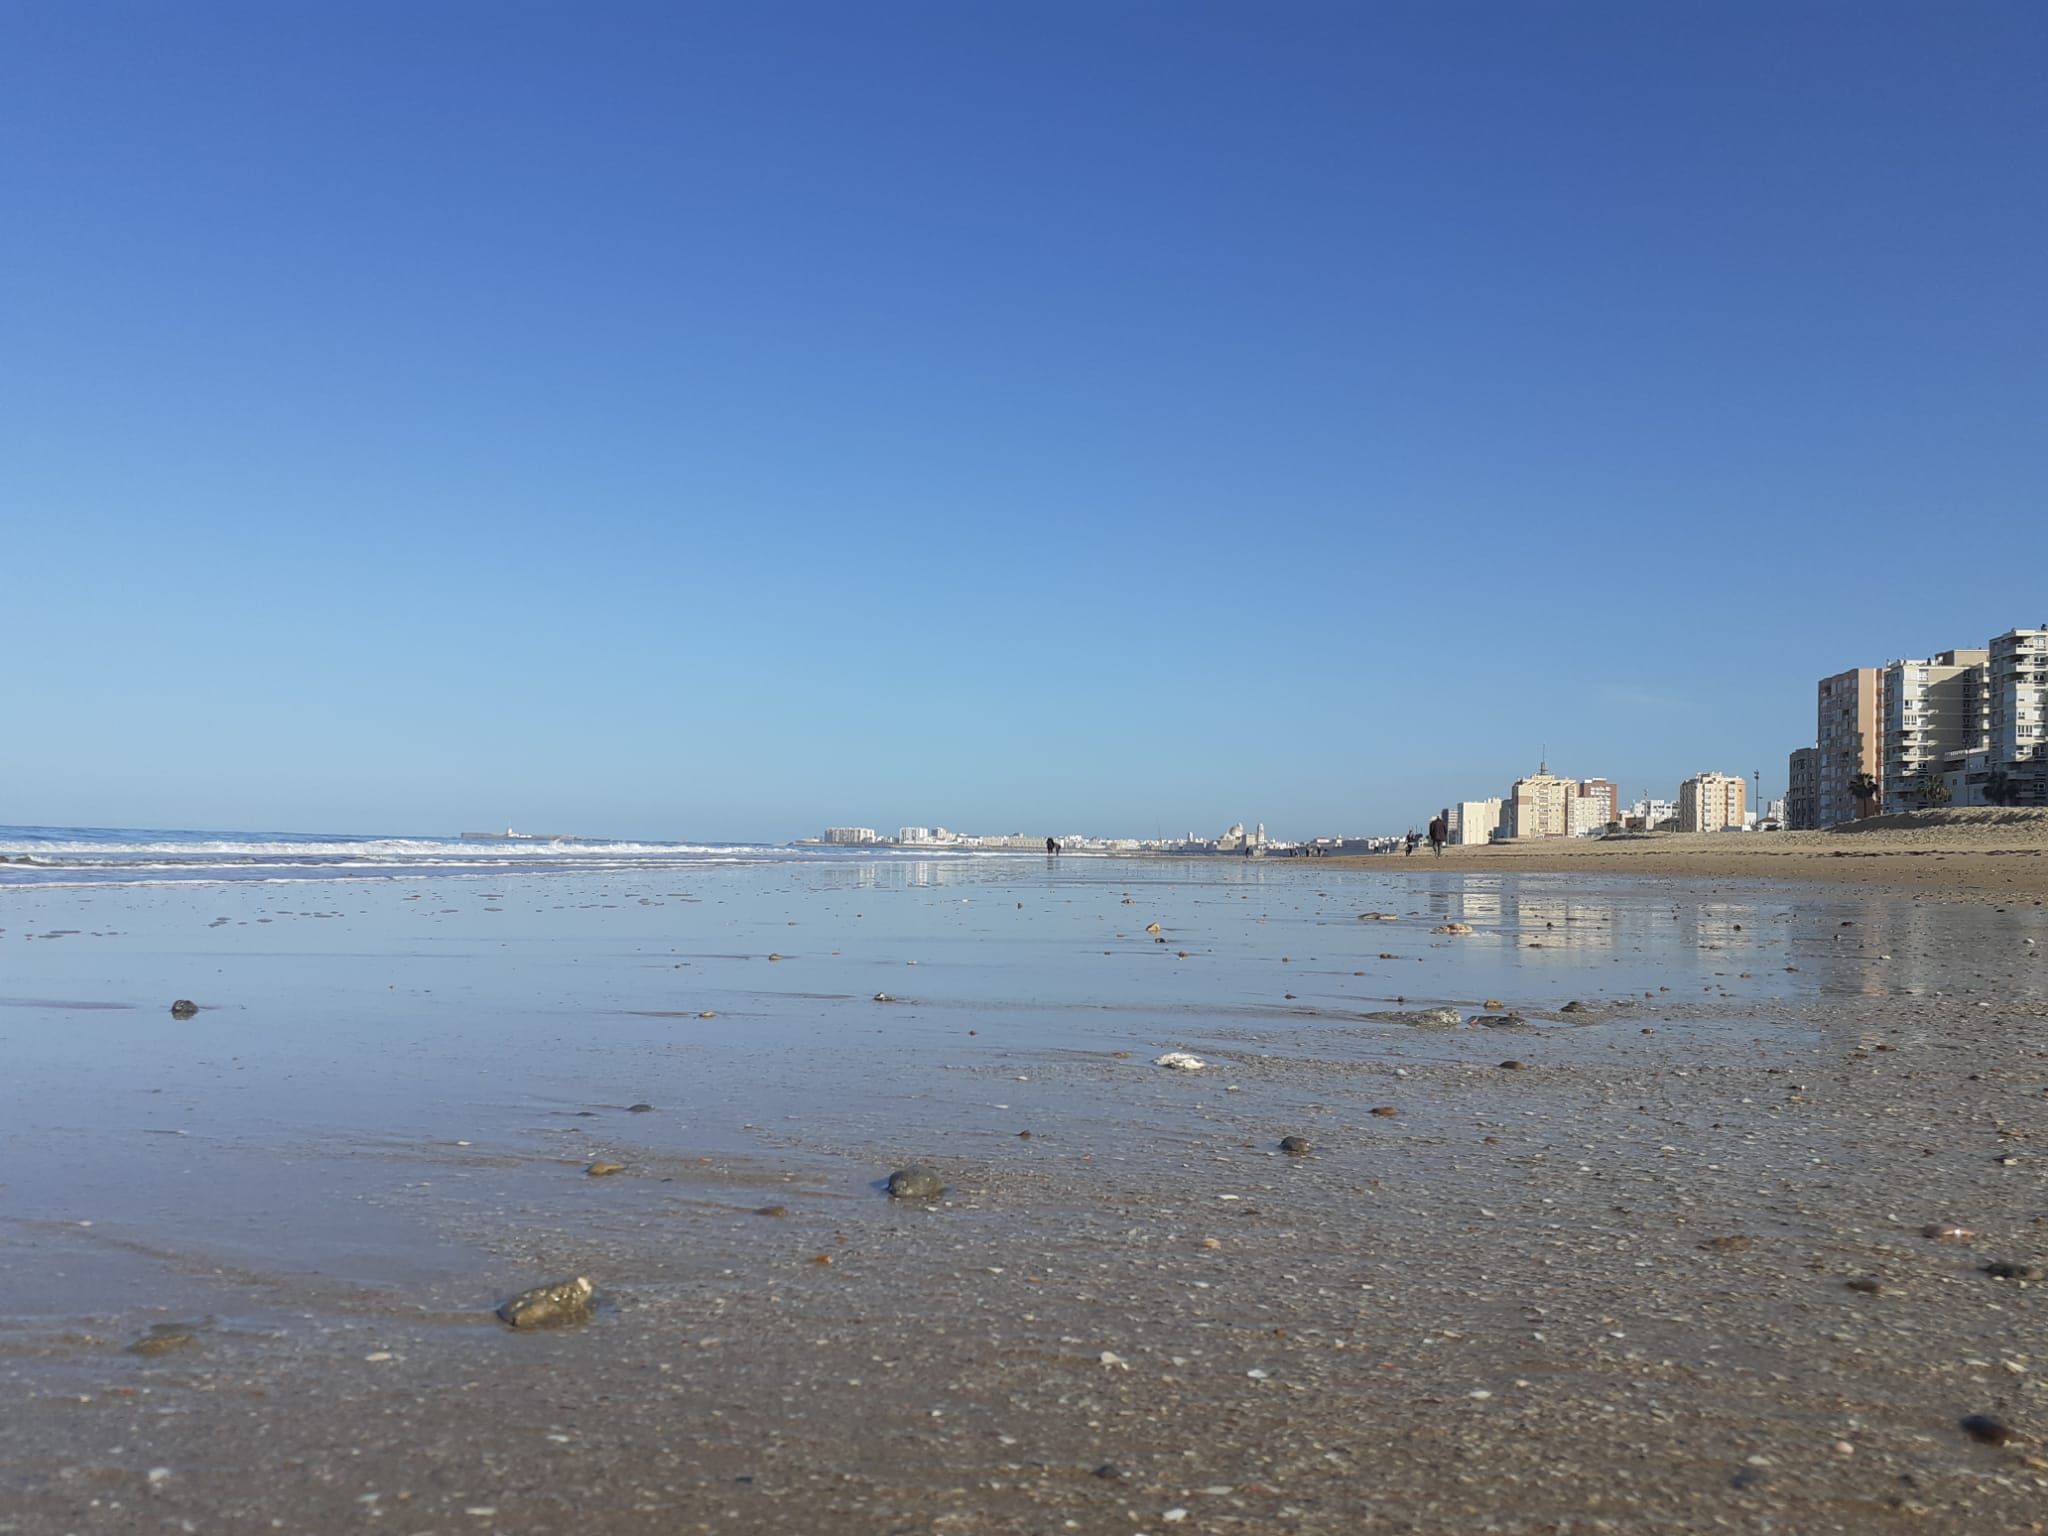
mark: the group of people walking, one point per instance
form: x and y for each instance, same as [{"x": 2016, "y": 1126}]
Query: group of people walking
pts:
[{"x": 1439, "y": 834}]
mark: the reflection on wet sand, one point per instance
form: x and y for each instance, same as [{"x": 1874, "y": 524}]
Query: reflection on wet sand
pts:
[{"x": 379, "y": 1127}]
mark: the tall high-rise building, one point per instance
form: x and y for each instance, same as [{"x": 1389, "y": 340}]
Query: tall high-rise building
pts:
[
  {"x": 1802, "y": 793},
  {"x": 2018, "y": 713},
  {"x": 1849, "y": 733},
  {"x": 1536, "y": 805},
  {"x": 1712, "y": 802},
  {"x": 1592, "y": 804},
  {"x": 1935, "y": 713}
]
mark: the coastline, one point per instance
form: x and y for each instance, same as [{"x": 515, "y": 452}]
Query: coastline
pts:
[{"x": 1958, "y": 855}]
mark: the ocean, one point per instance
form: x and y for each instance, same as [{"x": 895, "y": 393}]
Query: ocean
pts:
[{"x": 101, "y": 856}]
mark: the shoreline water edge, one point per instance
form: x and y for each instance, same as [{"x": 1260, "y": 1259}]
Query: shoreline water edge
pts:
[{"x": 1614, "y": 1195}]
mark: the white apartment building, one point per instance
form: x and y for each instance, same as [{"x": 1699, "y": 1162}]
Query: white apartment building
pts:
[
  {"x": 850, "y": 835},
  {"x": 913, "y": 834},
  {"x": 1934, "y": 712},
  {"x": 1475, "y": 821},
  {"x": 1712, "y": 802},
  {"x": 2018, "y": 713}
]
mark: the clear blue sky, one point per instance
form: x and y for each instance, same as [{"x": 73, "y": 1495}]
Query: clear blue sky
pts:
[{"x": 719, "y": 420}]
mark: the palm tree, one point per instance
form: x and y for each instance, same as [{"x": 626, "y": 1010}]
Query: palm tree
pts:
[
  {"x": 1932, "y": 790},
  {"x": 1999, "y": 788},
  {"x": 1865, "y": 788}
]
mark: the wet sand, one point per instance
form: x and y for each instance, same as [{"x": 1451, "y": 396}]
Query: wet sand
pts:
[{"x": 1606, "y": 1291}]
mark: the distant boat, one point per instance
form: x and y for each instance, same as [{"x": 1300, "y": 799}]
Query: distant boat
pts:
[{"x": 509, "y": 836}]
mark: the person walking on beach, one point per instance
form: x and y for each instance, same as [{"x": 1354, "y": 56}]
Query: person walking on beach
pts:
[
  {"x": 1052, "y": 846},
  {"x": 1437, "y": 835},
  {"x": 1414, "y": 837}
]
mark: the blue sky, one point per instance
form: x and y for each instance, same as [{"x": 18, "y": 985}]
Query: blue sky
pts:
[{"x": 718, "y": 421}]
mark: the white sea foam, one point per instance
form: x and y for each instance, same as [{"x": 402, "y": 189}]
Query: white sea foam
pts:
[{"x": 42, "y": 858}]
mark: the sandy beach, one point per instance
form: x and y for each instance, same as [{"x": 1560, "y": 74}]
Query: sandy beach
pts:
[
  {"x": 1638, "y": 1240},
  {"x": 1970, "y": 855}
]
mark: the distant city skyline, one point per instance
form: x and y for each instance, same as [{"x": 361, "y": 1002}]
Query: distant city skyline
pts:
[{"x": 720, "y": 422}]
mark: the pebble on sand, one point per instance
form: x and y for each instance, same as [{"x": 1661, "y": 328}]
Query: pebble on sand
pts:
[
  {"x": 1296, "y": 1146},
  {"x": 916, "y": 1182},
  {"x": 162, "y": 1342},
  {"x": 603, "y": 1170},
  {"x": 549, "y": 1306},
  {"x": 184, "y": 1008},
  {"x": 2007, "y": 1269},
  {"x": 1452, "y": 928},
  {"x": 639, "y": 1109},
  {"x": 1180, "y": 1061},
  {"x": 1946, "y": 1232},
  {"x": 1987, "y": 1428}
]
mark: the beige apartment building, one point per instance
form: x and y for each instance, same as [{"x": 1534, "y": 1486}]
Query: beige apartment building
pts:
[
  {"x": 1592, "y": 804},
  {"x": 1536, "y": 804},
  {"x": 1850, "y": 735},
  {"x": 1712, "y": 802},
  {"x": 1935, "y": 712},
  {"x": 1475, "y": 821}
]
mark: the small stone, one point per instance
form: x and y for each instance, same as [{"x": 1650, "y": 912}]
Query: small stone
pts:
[
  {"x": 2008, "y": 1269},
  {"x": 1109, "y": 1471},
  {"x": 772, "y": 1210},
  {"x": 184, "y": 1008},
  {"x": 1499, "y": 1021},
  {"x": 1296, "y": 1146},
  {"x": 1866, "y": 1285},
  {"x": 639, "y": 1109},
  {"x": 707, "y": 1014},
  {"x": 1987, "y": 1428},
  {"x": 1512, "y": 1065},
  {"x": 1946, "y": 1232},
  {"x": 549, "y": 1306},
  {"x": 1422, "y": 1018},
  {"x": 604, "y": 1170},
  {"x": 1495, "y": 1004},
  {"x": 916, "y": 1182},
  {"x": 1454, "y": 929},
  {"x": 1180, "y": 1061},
  {"x": 883, "y": 997},
  {"x": 1574, "y": 1006},
  {"x": 162, "y": 1341},
  {"x": 1386, "y": 1111},
  {"x": 1151, "y": 927}
]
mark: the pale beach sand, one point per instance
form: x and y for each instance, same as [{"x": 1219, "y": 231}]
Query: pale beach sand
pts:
[
  {"x": 1965, "y": 854},
  {"x": 1609, "y": 1290}
]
